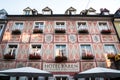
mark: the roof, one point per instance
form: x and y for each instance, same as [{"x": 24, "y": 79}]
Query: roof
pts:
[
  {"x": 104, "y": 10},
  {"x": 46, "y": 9},
  {"x": 3, "y": 11},
  {"x": 91, "y": 9},
  {"x": 28, "y": 8}
]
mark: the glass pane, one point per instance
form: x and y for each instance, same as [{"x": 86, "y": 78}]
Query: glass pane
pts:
[{"x": 110, "y": 49}]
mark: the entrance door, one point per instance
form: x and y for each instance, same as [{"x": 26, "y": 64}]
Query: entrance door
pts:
[{"x": 61, "y": 78}]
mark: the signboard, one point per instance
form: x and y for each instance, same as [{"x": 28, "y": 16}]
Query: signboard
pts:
[{"x": 61, "y": 67}]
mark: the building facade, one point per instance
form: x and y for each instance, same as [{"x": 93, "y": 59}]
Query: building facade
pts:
[{"x": 64, "y": 44}]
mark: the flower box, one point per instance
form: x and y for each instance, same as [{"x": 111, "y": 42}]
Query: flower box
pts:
[
  {"x": 83, "y": 31},
  {"x": 60, "y": 30},
  {"x": 37, "y": 30},
  {"x": 34, "y": 56},
  {"x": 88, "y": 56},
  {"x": 9, "y": 56},
  {"x": 106, "y": 31},
  {"x": 111, "y": 56},
  {"x": 16, "y": 32},
  {"x": 59, "y": 59},
  {"x": 117, "y": 57}
]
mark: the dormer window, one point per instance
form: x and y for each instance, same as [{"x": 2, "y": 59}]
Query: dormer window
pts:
[
  {"x": 3, "y": 14},
  {"x": 38, "y": 27},
  {"x": 17, "y": 28},
  {"x": 104, "y": 28},
  {"x": 91, "y": 11},
  {"x": 27, "y": 11},
  {"x": 47, "y": 11},
  {"x": 104, "y": 11},
  {"x": 70, "y": 11},
  {"x": 60, "y": 27},
  {"x": 82, "y": 27}
]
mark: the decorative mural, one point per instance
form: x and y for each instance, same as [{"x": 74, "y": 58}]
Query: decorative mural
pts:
[
  {"x": 34, "y": 64},
  {"x": 60, "y": 38},
  {"x": 28, "y": 26},
  {"x": 96, "y": 38},
  {"x": 74, "y": 53},
  {"x": 87, "y": 65},
  {"x": 15, "y": 38},
  {"x": 101, "y": 64},
  {"x": 84, "y": 38},
  {"x": 20, "y": 64},
  {"x": 7, "y": 65},
  {"x": 25, "y": 38},
  {"x": 48, "y": 52},
  {"x": 72, "y": 38},
  {"x": 109, "y": 38},
  {"x": 2, "y": 49},
  {"x": 37, "y": 38},
  {"x": 48, "y": 38},
  {"x": 23, "y": 52},
  {"x": 49, "y": 27},
  {"x": 71, "y": 26}
]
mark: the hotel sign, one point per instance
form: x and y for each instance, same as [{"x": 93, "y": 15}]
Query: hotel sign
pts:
[{"x": 61, "y": 67}]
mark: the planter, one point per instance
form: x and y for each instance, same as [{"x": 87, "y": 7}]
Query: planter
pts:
[
  {"x": 106, "y": 31},
  {"x": 35, "y": 31},
  {"x": 59, "y": 59},
  {"x": 9, "y": 56},
  {"x": 59, "y": 30},
  {"x": 111, "y": 56},
  {"x": 83, "y": 31},
  {"x": 88, "y": 56},
  {"x": 34, "y": 56},
  {"x": 16, "y": 32}
]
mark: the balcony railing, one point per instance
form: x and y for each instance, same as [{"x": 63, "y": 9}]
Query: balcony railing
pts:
[
  {"x": 60, "y": 29},
  {"x": 37, "y": 30},
  {"x": 34, "y": 56},
  {"x": 83, "y": 29},
  {"x": 105, "y": 30},
  {"x": 9, "y": 55},
  {"x": 60, "y": 57}
]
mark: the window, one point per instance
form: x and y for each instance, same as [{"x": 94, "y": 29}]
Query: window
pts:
[
  {"x": 1, "y": 28},
  {"x": 11, "y": 52},
  {"x": 86, "y": 52},
  {"x": 104, "y": 27},
  {"x": 82, "y": 27},
  {"x": 60, "y": 27},
  {"x": 35, "y": 51},
  {"x": 38, "y": 27},
  {"x": 18, "y": 26},
  {"x": 110, "y": 49},
  {"x": 60, "y": 53},
  {"x": 61, "y": 50},
  {"x": 27, "y": 12}
]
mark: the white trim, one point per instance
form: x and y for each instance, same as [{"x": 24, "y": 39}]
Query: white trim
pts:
[
  {"x": 7, "y": 46},
  {"x": 60, "y": 44},
  {"x": 39, "y": 21},
  {"x": 82, "y": 22},
  {"x": 111, "y": 45},
  {"x": 102, "y": 22},
  {"x": 36, "y": 44},
  {"x": 85, "y": 44},
  {"x": 59, "y": 21}
]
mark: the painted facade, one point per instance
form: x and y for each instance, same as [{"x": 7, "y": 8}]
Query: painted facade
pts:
[{"x": 62, "y": 44}]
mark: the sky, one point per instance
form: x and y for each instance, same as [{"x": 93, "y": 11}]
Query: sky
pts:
[{"x": 58, "y": 6}]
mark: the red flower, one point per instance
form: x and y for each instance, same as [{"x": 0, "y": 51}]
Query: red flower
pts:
[
  {"x": 9, "y": 56},
  {"x": 34, "y": 56}
]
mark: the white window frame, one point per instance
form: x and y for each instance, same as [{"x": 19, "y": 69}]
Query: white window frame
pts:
[
  {"x": 82, "y": 26},
  {"x": 110, "y": 49},
  {"x": 100, "y": 28},
  {"x": 7, "y": 47},
  {"x": 92, "y": 52},
  {"x": 1, "y": 29},
  {"x": 60, "y": 22},
  {"x": 32, "y": 48},
  {"x": 19, "y": 28},
  {"x": 56, "y": 48},
  {"x": 39, "y": 25}
]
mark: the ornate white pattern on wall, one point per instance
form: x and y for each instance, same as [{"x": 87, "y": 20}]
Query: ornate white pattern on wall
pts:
[
  {"x": 48, "y": 38},
  {"x": 96, "y": 38},
  {"x": 72, "y": 38}
]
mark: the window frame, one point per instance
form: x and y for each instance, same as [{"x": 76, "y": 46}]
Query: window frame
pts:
[
  {"x": 103, "y": 22},
  {"x": 80, "y": 49},
  {"x": 1, "y": 30},
  {"x": 14, "y": 26},
  {"x": 110, "y": 45},
  {"x": 39, "y": 25},
  {"x": 60, "y": 22},
  {"x": 56, "y": 48}
]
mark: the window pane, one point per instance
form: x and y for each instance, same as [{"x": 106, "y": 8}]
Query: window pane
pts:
[{"x": 110, "y": 49}]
